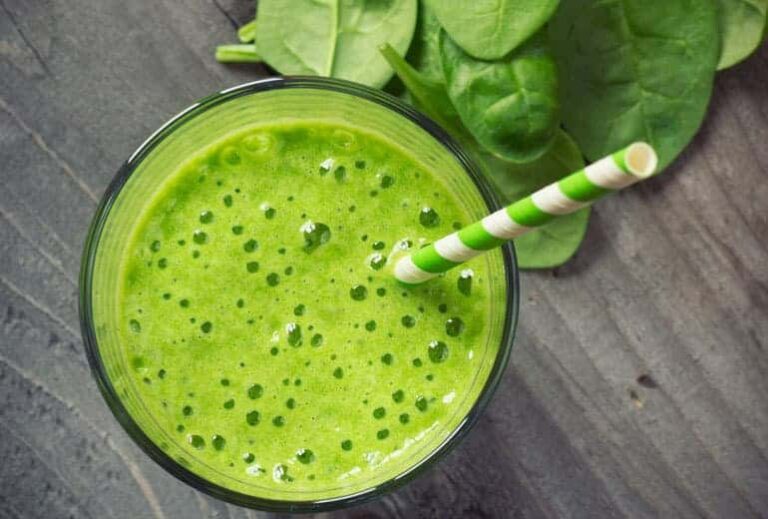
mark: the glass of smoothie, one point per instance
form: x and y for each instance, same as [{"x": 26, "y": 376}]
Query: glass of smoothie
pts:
[{"x": 240, "y": 314}]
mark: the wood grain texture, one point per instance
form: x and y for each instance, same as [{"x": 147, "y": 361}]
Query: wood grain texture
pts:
[{"x": 639, "y": 378}]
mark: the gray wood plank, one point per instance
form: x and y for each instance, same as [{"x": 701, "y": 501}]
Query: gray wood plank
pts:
[{"x": 638, "y": 381}]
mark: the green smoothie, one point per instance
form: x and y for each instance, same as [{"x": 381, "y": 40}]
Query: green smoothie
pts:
[{"x": 263, "y": 334}]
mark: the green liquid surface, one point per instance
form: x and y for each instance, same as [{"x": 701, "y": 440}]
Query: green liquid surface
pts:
[{"x": 262, "y": 329}]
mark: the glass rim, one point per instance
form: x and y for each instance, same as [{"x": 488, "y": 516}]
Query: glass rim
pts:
[{"x": 98, "y": 369}]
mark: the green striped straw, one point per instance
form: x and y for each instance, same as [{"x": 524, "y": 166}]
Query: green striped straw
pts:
[{"x": 580, "y": 189}]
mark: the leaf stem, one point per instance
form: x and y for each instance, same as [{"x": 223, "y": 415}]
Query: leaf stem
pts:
[
  {"x": 238, "y": 53},
  {"x": 247, "y": 33}
]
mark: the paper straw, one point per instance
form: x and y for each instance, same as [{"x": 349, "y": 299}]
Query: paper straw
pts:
[{"x": 580, "y": 189}]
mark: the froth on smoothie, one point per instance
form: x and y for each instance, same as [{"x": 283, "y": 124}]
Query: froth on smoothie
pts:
[{"x": 263, "y": 332}]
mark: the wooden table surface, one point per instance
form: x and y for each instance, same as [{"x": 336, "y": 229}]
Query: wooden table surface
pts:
[{"x": 639, "y": 380}]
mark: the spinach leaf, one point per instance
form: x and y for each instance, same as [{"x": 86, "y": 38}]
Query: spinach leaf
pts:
[
  {"x": 336, "y": 38},
  {"x": 490, "y": 29},
  {"x": 547, "y": 247},
  {"x": 424, "y": 53},
  {"x": 510, "y": 105},
  {"x": 556, "y": 242},
  {"x": 742, "y": 23},
  {"x": 427, "y": 94},
  {"x": 635, "y": 70}
]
